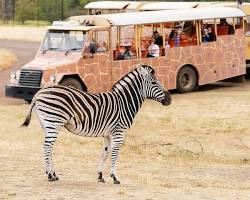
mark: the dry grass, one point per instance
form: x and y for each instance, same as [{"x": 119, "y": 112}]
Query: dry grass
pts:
[
  {"x": 197, "y": 148},
  {"x": 7, "y": 59},
  {"x": 35, "y": 34}
]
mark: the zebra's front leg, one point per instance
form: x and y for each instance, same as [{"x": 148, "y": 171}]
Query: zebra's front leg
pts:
[
  {"x": 117, "y": 141},
  {"x": 47, "y": 152},
  {"x": 103, "y": 159}
]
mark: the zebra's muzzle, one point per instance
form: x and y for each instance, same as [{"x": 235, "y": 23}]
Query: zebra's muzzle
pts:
[{"x": 167, "y": 99}]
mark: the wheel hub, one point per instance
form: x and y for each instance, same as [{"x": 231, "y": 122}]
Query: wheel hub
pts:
[{"x": 186, "y": 80}]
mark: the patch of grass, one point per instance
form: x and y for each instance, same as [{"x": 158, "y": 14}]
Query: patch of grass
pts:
[
  {"x": 7, "y": 59},
  {"x": 28, "y": 23},
  {"x": 25, "y": 33}
]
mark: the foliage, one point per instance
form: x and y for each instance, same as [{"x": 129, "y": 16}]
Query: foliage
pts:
[
  {"x": 46, "y": 10},
  {"x": 50, "y": 10},
  {"x": 25, "y": 10}
]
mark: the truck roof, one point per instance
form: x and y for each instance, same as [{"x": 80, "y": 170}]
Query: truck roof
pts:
[
  {"x": 149, "y": 17},
  {"x": 75, "y": 28}
]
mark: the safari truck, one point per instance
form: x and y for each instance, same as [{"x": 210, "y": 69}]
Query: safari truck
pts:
[{"x": 92, "y": 52}]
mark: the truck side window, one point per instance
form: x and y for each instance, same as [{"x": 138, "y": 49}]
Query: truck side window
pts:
[{"x": 101, "y": 39}]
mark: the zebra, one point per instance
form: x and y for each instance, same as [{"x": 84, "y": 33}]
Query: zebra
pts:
[{"x": 106, "y": 115}]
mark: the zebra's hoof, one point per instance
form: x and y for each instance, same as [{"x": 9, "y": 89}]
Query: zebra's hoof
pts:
[
  {"x": 52, "y": 177},
  {"x": 101, "y": 180},
  {"x": 116, "y": 182},
  {"x": 115, "y": 179}
]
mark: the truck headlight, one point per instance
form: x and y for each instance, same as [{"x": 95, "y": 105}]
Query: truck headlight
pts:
[
  {"x": 13, "y": 75},
  {"x": 52, "y": 78}
]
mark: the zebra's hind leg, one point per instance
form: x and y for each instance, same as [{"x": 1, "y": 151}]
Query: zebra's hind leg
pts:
[
  {"x": 50, "y": 138},
  {"x": 117, "y": 141},
  {"x": 103, "y": 159},
  {"x": 47, "y": 153}
]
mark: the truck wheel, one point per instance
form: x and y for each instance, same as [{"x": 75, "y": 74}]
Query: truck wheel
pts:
[
  {"x": 72, "y": 82},
  {"x": 186, "y": 80},
  {"x": 27, "y": 101}
]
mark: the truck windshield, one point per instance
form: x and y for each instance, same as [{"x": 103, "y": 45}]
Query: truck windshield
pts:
[{"x": 64, "y": 40}]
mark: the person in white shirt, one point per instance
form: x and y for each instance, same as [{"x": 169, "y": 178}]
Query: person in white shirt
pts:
[{"x": 153, "y": 49}]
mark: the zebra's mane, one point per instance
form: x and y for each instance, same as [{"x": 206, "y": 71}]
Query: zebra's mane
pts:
[{"x": 147, "y": 67}]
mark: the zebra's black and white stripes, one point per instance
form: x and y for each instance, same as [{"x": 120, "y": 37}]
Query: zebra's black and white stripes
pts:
[{"x": 105, "y": 115}]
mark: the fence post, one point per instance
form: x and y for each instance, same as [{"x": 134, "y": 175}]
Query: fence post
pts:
[
  {"x": 37, "y": 12},
  {"x": 13, "y": 11},
  {"x": 62, "y": 7}
]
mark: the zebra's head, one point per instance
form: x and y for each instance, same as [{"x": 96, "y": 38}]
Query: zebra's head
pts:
[{"x": 153, "y": 88}]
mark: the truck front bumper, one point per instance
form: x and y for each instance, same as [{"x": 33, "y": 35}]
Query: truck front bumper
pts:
[{"x": 21, "y": 92}]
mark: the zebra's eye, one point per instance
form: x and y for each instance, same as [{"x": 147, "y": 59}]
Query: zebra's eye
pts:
[{"x": 153, "y": 82}]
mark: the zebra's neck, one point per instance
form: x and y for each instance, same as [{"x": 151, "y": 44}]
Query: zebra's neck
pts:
[{"x": 131, "y": 90}]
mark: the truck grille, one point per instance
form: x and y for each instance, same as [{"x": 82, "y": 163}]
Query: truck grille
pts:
[{"x": 30, "y": 77}]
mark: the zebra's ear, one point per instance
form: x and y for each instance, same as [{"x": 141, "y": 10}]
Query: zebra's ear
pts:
[
  {"x": 149, "y": 68},
  {"x": 143, "y": 71}
]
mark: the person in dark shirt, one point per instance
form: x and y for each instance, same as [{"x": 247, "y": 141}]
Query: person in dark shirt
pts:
[
  {"x": 212, "y": 36},
  {"x": 158, "y": 38},
  {"x": 205, "y": 36},
  {"x": 230, "y": 29}
]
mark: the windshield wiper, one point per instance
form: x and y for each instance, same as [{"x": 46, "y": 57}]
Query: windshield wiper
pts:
[
  {"x": 44, "y": 51},
  {"x": 73, "y": 49}
]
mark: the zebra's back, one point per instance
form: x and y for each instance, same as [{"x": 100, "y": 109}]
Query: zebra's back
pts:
[{"x": 80, "y": 112}]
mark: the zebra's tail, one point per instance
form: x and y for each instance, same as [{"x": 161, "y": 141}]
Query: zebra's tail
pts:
[{"x": 28, "y": 117}]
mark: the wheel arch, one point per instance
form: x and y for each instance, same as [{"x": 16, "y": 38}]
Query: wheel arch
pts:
[{"x": 75, "y": 76}]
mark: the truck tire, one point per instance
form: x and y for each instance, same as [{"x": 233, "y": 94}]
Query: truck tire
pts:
[
  {"x": 72, "y": 82},
  {"x": 186, "y": 80},
  {"x": 27, "y": 101}
]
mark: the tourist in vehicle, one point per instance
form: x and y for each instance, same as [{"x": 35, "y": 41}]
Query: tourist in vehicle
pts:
[
  {"x": 222, "y": 28},
  {"x": 153, "y": 49},
  {"x": 158, "y": 38},
  {"x": 127, "y": 53},
  {"x": 98, "y": 12},
  {"x": 174, "y": 38},
  {"x": 223, "y": 23},
  {"x": 101, "y": 47},
  {"x": 230, "y": 29},
  {"x": 188, "y": 28},
  {"x": 205, "y": 36},
  {"x": 124, "y": 53},
  {"x": 212, "y": 36},
  {"x": 167, "y": 44}
]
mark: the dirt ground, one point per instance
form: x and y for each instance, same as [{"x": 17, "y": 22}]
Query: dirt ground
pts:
[{"x": 197, "y": 148}]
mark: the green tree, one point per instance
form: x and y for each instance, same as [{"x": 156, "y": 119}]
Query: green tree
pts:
[
  {"x": 50, "y": 10},
  {"x": 25, "y": 10},
  {"x": 73, "y": 3}
]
